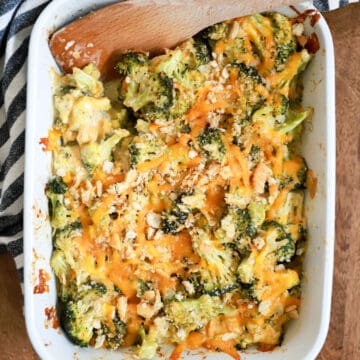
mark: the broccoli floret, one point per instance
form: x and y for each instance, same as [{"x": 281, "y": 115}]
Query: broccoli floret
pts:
[
  {"x": 94, "y": 154},
  {"x": 194, "y": 314},
  {"x": 122, "y": 118},
  {"x": 181, "y": 66},
  {"x": 285, "y": 180},
  {"x": 284, "y": 39},
  {"x": 248, "y": 78},
  {"x": 63, "y": 259},
  {"x": 142, "y": 89},
  {"x": 98, "y": 287},
  {"x": 248, "y": 291},
  {"x": 242, "y": 246},
  {"x": 211, "y": 143},
  {"x": 135, "y": 156},
  {"x": 294, "y": 119},
  {"x": 300, "y": 183},
  {"x": 249, "y": 72},
  {"x": 234, "y": 50},
  {"x": 257, "y": 211},
  {"x": 170, "y": 64},
  {"x": 285, "y": 252},
  {"x": 281, "y": 108},
  {"x": 258, "y": 23},
  {"x": 63, "y": 104},
  {"x": 67, "y": 292},
  {"x": 79, "y": 331},
  {"x": 185, "y": 129},
  {"x": 196, "y": 284},
  {"x": 148, "y": 347},
  {"x": 195, "y": 52},
  {"x": 87, "y": 80},
  {"x": 132, "y": 62},
  {"x": 201, "y": 54},
  {"x": 71, "y": 230},
  {"x": 148, "y": 85},
  {"x": 172, "y": 222},
  {"x": 60, "y": 216},
  {"x": 190, "y": 80},
  {"x": 298, "y": 179},
  {"x": 283, "y": 52},
  {"x": 296, "y": 88},
  {"x": 79, "y": 318},
  {"x": 62, "y": 271},
  {"x": 203, "y": 283},
  {"x": 114, "y": 333},
  {"x": 153, "y": 95},
  {"x": 66, "y": 89},
  {"x": 275, "y": 228},
  {"x": 241, "y": 220},
  {"x": 180, "y": 106},
  {"x": 293, "y": 209},
  {"x": 219, "y": 274},
  {"x": 245, "y": 270},
  {"x": 59, "y": 265},
  {"x": 295, "y": 291},
  {"x": 67, "y": 158},
  {"x": 57, "y": 186},
  {"x": 145, "y": 147},
  {"x": 291, "y": 77},
  {"x": 63, "y": 240},
  {"x": 216, "y": 31},
  {"x": 282, "y": 242},
  {"x": 264, "y": 115}
]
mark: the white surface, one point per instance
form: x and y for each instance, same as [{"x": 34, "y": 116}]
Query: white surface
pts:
[{"x": 304, "y": 337}]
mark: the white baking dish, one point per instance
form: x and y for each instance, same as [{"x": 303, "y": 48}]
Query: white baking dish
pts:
[{"x": 304, "y": 337}]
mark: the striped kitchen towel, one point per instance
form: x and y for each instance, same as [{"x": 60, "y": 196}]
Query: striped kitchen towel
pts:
[{"x": 16, "y": 20}]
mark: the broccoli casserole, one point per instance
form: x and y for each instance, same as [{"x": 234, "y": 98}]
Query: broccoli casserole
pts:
[{"x": 177, "y": 198}]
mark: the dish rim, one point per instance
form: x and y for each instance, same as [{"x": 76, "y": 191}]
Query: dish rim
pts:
[{"x": 29, "y": 181}]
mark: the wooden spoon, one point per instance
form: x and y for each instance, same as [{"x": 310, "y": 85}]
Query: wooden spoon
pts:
[{"x": 150, "y": 25}]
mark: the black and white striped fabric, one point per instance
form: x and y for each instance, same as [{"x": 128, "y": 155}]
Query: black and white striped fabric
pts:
[
  {"x": 326, "y": 5},
  {"x": 16, "y": 20}
]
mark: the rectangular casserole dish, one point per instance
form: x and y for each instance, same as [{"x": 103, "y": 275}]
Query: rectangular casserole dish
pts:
[{"x": 304, "y": 337}]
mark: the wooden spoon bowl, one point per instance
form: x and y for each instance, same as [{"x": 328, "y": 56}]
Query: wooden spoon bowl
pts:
[{"x": 149, "y": 25}]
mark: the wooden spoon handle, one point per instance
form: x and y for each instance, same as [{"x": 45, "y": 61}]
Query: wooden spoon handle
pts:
[{"x": 149, "y": 25}]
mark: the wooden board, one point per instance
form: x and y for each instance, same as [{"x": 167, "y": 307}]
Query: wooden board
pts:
[{"x": 343, "y": 341}]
